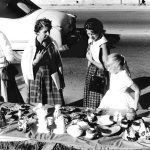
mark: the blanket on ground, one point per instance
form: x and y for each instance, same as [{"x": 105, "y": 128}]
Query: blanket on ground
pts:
[{"x": 11, "y": 137}]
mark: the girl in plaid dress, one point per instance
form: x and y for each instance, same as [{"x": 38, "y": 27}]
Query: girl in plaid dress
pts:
[
  {"x": 42, "y": 67},
  {"x": 97, "y": 56}
]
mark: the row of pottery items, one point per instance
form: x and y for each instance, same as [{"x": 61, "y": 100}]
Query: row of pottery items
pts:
[
  {"x": 79, "y": 122},
  {"x": 86, "y": 123}
]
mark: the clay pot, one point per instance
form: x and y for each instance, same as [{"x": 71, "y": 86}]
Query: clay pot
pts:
[
  {"x": 90, "y": 134},
  {"x": 130, "y": 115}
]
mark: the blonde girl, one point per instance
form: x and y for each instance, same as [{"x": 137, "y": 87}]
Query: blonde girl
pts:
[{"x": 118, "y": 97}]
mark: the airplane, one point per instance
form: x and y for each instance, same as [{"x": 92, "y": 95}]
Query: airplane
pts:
[{"x": 18, "y": 17}]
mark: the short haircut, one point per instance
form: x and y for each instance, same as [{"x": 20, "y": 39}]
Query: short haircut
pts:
[
  {"x": 95, "y": 25},
  {"x": 42, "y": 23}
]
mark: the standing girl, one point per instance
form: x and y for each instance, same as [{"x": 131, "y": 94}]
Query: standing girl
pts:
[
  {"x": 97, "y": 56},
  {"x": 42, "y": 67},
  {"x": 117, "y": 97}
]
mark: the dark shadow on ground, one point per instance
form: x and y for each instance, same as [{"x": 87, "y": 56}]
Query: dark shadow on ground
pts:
[
  {"x": 145, "y": 101},
  {"x": 145, "y": 114},
  {"x": 78, "y": 103},
  {"x": 78, "y": 46},
  {"x": 143, "y": 82}
]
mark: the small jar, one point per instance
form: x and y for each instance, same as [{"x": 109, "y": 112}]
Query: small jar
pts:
[
  {"x": 22, "y": 125},
  {"x": 90, "y": 133},
  {"x": 50, "y": 120},
  {"x": 136, "y": 125},
  {"x": 124, "y": 123},
  {"x": 90, "y": 117},
  {"x": 130, "y": 115}
]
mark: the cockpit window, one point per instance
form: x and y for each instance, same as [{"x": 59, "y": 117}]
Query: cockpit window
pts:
[
  {"x": 24, "y": 7},
  {"x": 18, "y": 8},
  {"x": 27, "y": 6}
]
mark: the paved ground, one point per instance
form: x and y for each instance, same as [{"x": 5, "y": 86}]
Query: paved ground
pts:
[
  {"x": 98, "y": 7},
  {"x": 137, "y": 57}
]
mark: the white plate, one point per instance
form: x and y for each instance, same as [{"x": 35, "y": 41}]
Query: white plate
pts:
[
  {"x": 104, "y": 120},
  {"x": 146, "y": 119}
]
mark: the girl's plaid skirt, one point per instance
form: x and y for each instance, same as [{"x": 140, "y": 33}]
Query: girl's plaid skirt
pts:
[
  {"x": 92, "y": 99},
  {"x": 43, "y": 90}
]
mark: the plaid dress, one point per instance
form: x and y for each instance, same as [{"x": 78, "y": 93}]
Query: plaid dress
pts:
[
  {"x": 92, "y": 99},
  {"x": 43, "y": 89}
]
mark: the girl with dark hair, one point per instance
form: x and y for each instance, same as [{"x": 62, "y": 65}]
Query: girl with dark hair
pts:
[
  {"x": 97, "y": 56},
  {"x": 42, "y": 67}
]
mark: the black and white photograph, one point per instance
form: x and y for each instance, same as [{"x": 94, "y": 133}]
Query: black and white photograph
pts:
[{"x": 74, "y": 74}]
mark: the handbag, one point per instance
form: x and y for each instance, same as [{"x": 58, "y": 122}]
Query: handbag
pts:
[{"x": 98, "y": 83}]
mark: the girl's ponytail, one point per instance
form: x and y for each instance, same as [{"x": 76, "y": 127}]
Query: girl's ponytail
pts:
[{"x": 126, "y": 67}]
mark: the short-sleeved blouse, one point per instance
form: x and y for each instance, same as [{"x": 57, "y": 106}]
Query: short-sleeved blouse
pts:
[
  {"x": 120, "y": 82},
  {"x": 117, "y": 97},
  {"x": 95, "y": 47}
]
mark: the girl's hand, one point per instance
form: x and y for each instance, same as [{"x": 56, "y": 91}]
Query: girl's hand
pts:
[
  {"x": 135, "y": 106},
  {"x": 89, "y": 56},
  {"x": 39, "y": 56}
]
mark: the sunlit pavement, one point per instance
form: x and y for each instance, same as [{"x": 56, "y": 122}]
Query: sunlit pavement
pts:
[
  {"x": 98, "y": 7},
  {"x": 134, "y": 46}
]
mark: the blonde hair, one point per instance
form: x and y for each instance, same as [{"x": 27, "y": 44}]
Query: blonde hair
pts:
[{"x": 118, "y": 62}]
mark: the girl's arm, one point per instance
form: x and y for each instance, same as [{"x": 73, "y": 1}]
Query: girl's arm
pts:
[
  {"x": 136, "y": 90},
  {"x": 104, "y": 56},
  {"x": 38, "y": 57},
  {"x": 104, "y": 53},
  {"x": 89, "y": 57}
]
